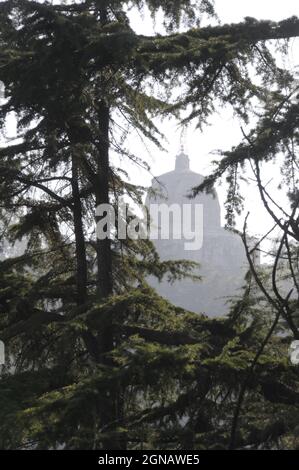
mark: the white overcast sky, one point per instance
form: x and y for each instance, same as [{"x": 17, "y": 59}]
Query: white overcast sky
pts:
[{"x": 223, "y": 131}]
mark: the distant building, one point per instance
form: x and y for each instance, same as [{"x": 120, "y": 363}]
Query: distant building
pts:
[{"x": 222, "y": 257}]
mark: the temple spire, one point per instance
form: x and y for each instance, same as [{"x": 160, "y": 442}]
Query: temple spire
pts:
[{"x": 182, "y": 161}]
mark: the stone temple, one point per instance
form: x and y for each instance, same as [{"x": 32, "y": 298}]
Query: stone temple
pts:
[{"x": 221, "y": 257}]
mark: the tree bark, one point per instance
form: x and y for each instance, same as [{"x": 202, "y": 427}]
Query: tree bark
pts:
[
  {"x": 104, "y": 261},
  {"x": 81, "y": 274}
]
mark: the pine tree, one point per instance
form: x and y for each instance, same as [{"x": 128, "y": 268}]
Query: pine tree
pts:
[{"x": 99, "y": 360}]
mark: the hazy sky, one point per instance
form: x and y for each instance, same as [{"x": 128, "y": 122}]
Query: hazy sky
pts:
[{"x": 223, "y": 131}]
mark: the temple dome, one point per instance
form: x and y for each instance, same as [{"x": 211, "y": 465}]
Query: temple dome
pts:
[
  {"x": 175, "y": 187},
  {"x": 222, "y": 260}
]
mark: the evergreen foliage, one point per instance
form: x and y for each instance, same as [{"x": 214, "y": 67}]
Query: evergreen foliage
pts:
[{"x": 96, "y": 358}]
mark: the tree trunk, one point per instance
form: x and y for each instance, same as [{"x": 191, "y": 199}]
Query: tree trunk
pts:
[
  {"x": 90, "y": 341},
  {"x": 81, "y": 273},
  {"x": 104, "y": 261},
  {"x": 113, "y": 411}
]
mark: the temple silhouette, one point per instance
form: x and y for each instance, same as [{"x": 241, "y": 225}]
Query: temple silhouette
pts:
[{"x": 222, "y": 257}]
